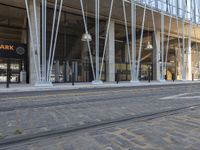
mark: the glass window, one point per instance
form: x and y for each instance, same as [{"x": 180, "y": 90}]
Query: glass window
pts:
[{"x": 13, "y": 24}]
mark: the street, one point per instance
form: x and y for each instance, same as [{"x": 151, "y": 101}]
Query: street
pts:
[{"x": 130, "y": 118}]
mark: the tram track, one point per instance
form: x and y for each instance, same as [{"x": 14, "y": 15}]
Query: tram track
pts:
[
  {"x": 73, "y": 102},
  {"x": 95, "y": 125},
  {"x": 82, "y": 92}
]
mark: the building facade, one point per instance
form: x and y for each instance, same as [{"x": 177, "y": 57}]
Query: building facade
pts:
[{"x": 47, "y": 41}]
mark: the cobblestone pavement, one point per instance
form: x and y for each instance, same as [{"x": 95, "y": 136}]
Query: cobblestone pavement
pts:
[
  {"x": 175, "y": 132},
  {"x": 32, "y": 113}
]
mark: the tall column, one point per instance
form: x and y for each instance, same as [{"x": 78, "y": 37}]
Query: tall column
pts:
[
  {"x": 32, "y": 71},
  {"x": 97, "y": 11},
  {"x": 189, "y": 61},
  {"x": 162, "y": 47},
  {"x": 133, "y": 31},
  {"x": 179, "y": 65},
  {"x": 44, "y": 61},
  {"x": 156, "y": 56},
  {"x": 126, "y": 53},
  {"x": 183, "y": 68},
  {"x": 110, "y": 54},
  {"x": 84, "y": 61}
]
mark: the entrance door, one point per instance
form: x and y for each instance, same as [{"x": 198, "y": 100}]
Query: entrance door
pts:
[
  {"x": 3, "y": 70},
  {"x": 15, "y": 68},
  {"x": 144, "y": 71}
]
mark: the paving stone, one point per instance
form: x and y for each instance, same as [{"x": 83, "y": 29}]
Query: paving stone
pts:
[
  {"x": 102, "y": 140},
  {"x": 171, "y": 132}
]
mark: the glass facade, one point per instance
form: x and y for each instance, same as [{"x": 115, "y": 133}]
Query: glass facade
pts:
[
  {"x": 173, "y": 52},
  {"x": 13, "y": 30}
]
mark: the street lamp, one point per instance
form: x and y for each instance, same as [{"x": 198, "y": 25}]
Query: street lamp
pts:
[
  {"x": 149, "y": 46},
  {"x": 86, "y": 37}
]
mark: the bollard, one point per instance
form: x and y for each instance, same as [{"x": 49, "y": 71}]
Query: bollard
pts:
[
  {"x": 117, "y": 78},
  {"x": 8, "y": 74},
  {"x": 173, "y": 77},
  {"x": 193, "y": 77},
  {"x": 149, "y": 74},
  {"x": 73, "y": 78}
]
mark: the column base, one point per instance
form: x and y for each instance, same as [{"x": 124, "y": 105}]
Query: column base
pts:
[
  {"x": 43, "y": 84},
  {"x": 97, "y": 82},
  {"x": 184, "y": 80},
  {"x": 134, "y": 81},
  {"x": 162, "y": 80}
]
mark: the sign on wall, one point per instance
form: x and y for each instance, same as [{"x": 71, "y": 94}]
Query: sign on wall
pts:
[{"x": 12, "y": 50}]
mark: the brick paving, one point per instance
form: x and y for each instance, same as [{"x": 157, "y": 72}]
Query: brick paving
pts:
[{"x": 176, "y": 132}]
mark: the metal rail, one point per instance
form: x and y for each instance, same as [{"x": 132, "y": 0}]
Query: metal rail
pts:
[
  {"x": 74, "y": 102},
  {"x": 95, "y": 125}
]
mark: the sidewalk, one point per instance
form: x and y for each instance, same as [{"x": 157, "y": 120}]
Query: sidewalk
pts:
[{"x": 68, "y": 86}]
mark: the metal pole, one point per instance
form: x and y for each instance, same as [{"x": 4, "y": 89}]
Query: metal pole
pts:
[
  {"x": 88, "y": 43},
  {"x": 154, "y": 28},
  {"x": 141, "y": 40},
  {"x": 44, "y": 13},
  {"x": 127, "y": 38},
  {"x": 177, "y": 27},
  {"x": 97, "y": 37},
  {"x": 183, "y": 47},
  {"x": 32, "y": 40},
  {"x": 51, "y": 43},
  {"x": 133, "y": 29},
  {"x": 167, "y": 48},
  {"x": 196, "y": 44},
  {"x": 56, "y": 35},
  {"x": 162, "y": 38},
  {"x": 189, "y": 49},
  {"x": 106, "y": 40},
  {"x": 37, "y": 38}
]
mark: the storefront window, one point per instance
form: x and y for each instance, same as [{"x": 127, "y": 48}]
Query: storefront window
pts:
[{"x": 13, "y": 29}]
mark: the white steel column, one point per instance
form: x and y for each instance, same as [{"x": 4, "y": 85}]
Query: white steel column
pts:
[
  {"x": 97, "y": 14},
  {"x": 54, "y": 38},
  {"x": 127, "y": 46},
  {"x": 156, "y": 56},
  {"x": 162, "y": 78},
  {"x": 44, "y": 13},
  {"x": 42, "y": 74},
  {"x": 189, "y": 62},
  {"x": 133, "y": 29},
  {"x": 110, "y": 54},
  {"x": 140, "y": 46},
  {"x": 183, "y": 69},
  {"x": 33, "y": 52},
  {"x": 189, "y": 57},
  {"x": 88, "y": 42}
]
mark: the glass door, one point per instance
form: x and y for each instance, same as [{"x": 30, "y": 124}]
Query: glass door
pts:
[
  {"x": 3, "y": 70},
  {"x": 15, "y": 68}
]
